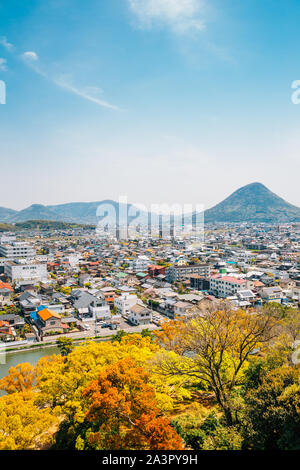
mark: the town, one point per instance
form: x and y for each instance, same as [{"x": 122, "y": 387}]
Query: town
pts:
[{"x": 75, "y": 283}]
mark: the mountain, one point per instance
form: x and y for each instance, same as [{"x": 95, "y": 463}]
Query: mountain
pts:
[
  {"x": 6, "y": 213},
  {"x": 76, "y": 212},
  {"x": 35, "y": 212},
  {"x": 253, "y": 203}
]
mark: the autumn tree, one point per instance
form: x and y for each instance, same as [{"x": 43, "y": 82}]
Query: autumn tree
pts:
[
  {"x": 23, "y": 425},
  {"x": 19, "y": 379},
  {"x": 123, "y": 408},
  {"x": 214, "y": 349}
]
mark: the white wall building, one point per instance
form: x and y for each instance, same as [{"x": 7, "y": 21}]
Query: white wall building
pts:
[
  {"x": 17, "y": 250},
  {"x": 124, "y": 302},
  {"x": 226, "y": 286},
  {"x": 24, "y": 271},
  {"x": 139, "y": 315},
  {"x": 140, "y": 264},
  {"x": 99, "y": 310}
]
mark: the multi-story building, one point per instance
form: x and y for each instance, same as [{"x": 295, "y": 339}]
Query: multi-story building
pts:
[
  {"x": 19, "y": 270},
  {"x": 17, "y": 250},
  {"x": 180, "y": 273},
  {"x": 199, "y": 282},
  {"x": 225, "y": 286},
  {"x": 140, "y": 264},
  {"x": 124, "y": 303}
]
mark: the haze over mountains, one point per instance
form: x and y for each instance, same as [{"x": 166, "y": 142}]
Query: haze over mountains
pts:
[{"x": 251, "y": 203}]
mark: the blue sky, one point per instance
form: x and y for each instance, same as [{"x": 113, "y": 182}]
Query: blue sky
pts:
[{"x": 163, "y": 101}]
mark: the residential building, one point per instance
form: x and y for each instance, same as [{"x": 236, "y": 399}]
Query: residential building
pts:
[
  {"x": 139, "y": 315},
  {"x": 180, "y": 273},
  {"x": 19, "y": 270},
  {"x": 17, "y": 250},
  {"x": 124, "y": 303},
  {"x": 5, "y": 293},
  {"x": 271, "y": 294},
  {"x": 199, "y": 282},
  {"x": 48, "y": 321},
  {"x": 140, "y": 264},
  {"x": 225, "y": 286}
]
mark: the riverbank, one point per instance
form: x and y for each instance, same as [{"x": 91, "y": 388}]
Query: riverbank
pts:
[{"x": 39, "y": 346}]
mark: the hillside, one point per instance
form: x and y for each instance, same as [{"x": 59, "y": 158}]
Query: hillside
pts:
[
  {"x": 253, "y": 203},
  {"x": 50, "y": 225},
  {"x": 36, "y": 212},
  {"x": 5, "y": 213}
]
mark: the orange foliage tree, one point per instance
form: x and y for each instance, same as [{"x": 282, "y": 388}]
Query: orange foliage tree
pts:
[{"x": 123, "y": 407}]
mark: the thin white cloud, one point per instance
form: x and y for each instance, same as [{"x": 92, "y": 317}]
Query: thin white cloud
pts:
[
  {"x": 30, "y": 56},
  {"x": 181, "y": 16},
  {"x": 86, "y": 93},
  {"x": 3, "y": 66},
  {"x": 6, "y": 44}
]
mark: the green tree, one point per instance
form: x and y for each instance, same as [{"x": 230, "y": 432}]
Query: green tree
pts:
[
  {"x": 272, "y": 413},
  {"x": 118, "y": 336},
  {"x": 65, "y": 345}
]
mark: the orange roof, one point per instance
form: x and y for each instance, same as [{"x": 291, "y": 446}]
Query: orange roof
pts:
[
  {"x": 45, "y": 314},
  {"x": 258, "y": 284},
  {"x": 5, "y": 327},
  {"x": 4, "y": 285}
]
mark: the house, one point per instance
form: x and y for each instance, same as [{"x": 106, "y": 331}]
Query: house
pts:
[
  {"x": 181, "y": 308},
  {"x": 139, "y": 315},
  {"x": 48, "y": 321},
  {"x": 14, "y": 321},
  {"x": 6, "y": 292},
  {"x": 271, "y": 294},
  {"x": 124, "y": 303},
  {"x": 29, "y": 302},
  {"x": 156, "y": 270},
  {"x": 89, "y": 306},
  {"x": 6, "y": 332}
]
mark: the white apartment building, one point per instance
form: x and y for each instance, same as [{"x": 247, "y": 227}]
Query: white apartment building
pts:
[
  {"x": 140, "y": 264},
  {"x": 225, "y": 286},
  {"x": 124, "y": 303},
  {"x": 24, "y": 271},
  {"x": 99, "y": 310},
  {"x": 7, "y": 238},
  {"x": 17, "y": 250}
]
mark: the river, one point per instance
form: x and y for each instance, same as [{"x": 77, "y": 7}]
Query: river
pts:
[{"x": 15, "y": 358}]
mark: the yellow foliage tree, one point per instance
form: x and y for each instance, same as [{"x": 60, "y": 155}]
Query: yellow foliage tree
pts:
[
  {"x": 214, "y": 349},
  {"x": 22, "y": 425},
  {"x": 19, "y": 379}
]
